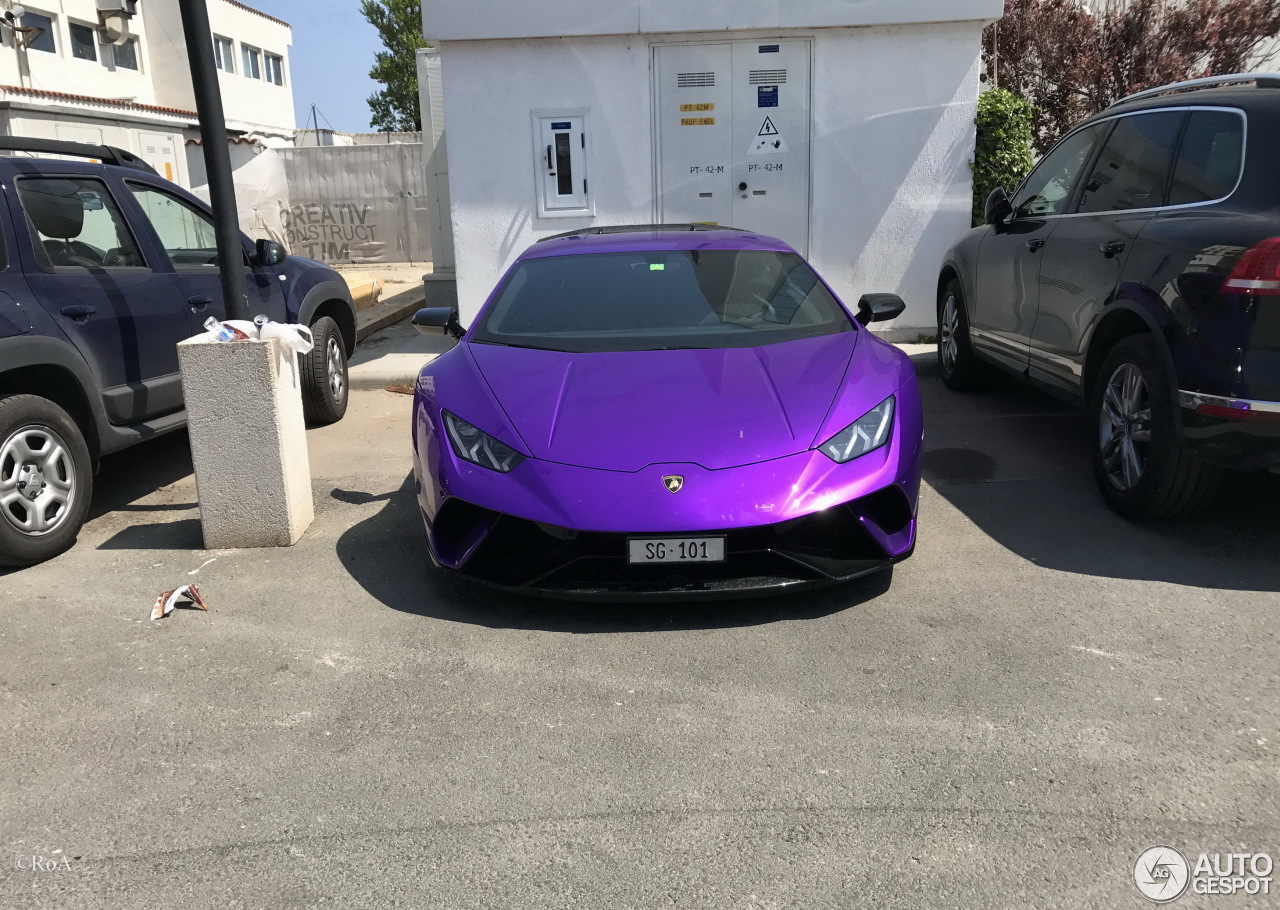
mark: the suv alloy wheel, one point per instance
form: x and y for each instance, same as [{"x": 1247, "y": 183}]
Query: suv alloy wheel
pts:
[
  {"x": 46, "y": 480},
  {"x": 1139, "y": 460}
]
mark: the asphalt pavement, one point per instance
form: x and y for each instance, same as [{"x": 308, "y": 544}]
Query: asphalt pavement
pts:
[{"x": 1004, "y": 721}]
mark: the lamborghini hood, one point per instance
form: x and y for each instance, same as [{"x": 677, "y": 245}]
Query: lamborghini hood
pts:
[{"x": 624, "y": 411}]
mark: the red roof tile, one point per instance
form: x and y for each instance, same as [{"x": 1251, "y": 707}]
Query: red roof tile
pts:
[
  {"x": 257, "y": 12},
  {"x": 109, "y": 102}
]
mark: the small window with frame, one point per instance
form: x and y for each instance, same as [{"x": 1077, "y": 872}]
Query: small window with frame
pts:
[
  {"x": 126, "y": 55},
  {"x": 84, "y": 41},
  {"x": 75, "y": 223},
  {"x": 38, "y": 32},
  {"x": 274, "y": 69},
  {"x": 251, "y": 61},
  {"x": 224, "y": 54}
]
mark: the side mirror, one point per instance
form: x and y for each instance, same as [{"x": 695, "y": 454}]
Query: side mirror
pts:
[
  {"x": 998, "y": 208},
  {"x": 879, "y": 308},
  {"x": 270, "y": 253},
  {"x": 438, "y": 320}
]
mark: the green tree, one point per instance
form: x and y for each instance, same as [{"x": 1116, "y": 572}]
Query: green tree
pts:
[
  {"x": 1003, "y": 153},
  {"x": 399, "y": 23}
]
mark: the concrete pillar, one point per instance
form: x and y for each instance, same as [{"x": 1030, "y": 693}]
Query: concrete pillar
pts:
[{"x": 248, "y": 442}]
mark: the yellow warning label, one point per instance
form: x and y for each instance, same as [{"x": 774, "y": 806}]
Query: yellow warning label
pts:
[
  {"x": 697, "y": 121},
  {"x": 697, "y": 107},
  {"x": 168, "y": 171}
]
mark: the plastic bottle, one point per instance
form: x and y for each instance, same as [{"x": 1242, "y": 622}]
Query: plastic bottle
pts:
[{"x": 222, "y": 331}]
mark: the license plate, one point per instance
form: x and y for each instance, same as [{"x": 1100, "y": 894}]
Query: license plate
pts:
[{"x": 675, "y": 549}]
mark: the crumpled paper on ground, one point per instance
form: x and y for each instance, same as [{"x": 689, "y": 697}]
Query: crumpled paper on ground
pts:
[{"x": 167, "y": 601}]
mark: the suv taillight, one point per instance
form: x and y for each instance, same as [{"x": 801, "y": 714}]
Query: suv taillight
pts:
[{"x": 1258, "y": 271}]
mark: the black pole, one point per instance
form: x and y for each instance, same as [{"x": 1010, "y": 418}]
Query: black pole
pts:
[{"x": 217, "y": 160}]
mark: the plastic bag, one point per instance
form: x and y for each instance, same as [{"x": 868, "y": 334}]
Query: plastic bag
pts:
[{"x": 296, "y": 337}]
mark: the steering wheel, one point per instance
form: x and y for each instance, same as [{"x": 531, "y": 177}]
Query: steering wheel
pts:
[
  {"x": 117, "y": 258},
  {"x": 83, "y": 262}
]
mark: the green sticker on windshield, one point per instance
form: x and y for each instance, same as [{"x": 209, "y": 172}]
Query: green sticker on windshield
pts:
[{"x": 656, "y": 266}]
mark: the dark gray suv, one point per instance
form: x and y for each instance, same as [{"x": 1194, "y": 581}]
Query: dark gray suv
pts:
[{"x": 1136, "y": 272}]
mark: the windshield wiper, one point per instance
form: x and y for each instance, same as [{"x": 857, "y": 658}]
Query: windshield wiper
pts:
[{"x": 527, "y": 347}]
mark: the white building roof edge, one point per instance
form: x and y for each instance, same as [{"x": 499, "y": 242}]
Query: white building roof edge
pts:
[{"x": 464, "y": 20}]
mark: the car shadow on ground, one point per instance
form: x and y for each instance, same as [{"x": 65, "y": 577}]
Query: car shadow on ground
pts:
[
  {"x": 1016, "y": 462},
  {"x": 387, "y": 556},
  {"x": 126, "y": 477}
]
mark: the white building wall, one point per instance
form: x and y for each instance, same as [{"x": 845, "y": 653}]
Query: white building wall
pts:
[
  {"x": 247, "y": 102},
  {"x": 163, "y": 76},
  {"x": 61, "y": 71},
  {"x": 893, "y": 111}
]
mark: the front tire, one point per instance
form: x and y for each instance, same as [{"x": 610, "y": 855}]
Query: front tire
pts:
[
  {"x": 324, "y": 374},
  {"x": 1140, "y": 462},
  {"x": 957, "y": 364},
  {"x": 46, "y": 480}
]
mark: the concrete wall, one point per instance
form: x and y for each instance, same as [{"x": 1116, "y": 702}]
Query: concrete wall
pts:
[{"x": 893, "y": 131}]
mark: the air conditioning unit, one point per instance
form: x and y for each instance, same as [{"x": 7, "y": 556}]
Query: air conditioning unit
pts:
[
  {"x": 113, "y": 19},
  {"x": 126, "y": 8}
]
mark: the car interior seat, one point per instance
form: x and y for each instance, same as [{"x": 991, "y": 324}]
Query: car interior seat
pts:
[{"x": 56, "y": 213}]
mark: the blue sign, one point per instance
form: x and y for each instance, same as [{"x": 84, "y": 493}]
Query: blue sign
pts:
[
  {"x": 562, "y": 125},
  {"x": 766, "y": 96},
  {"x": 768, "y": 48}
]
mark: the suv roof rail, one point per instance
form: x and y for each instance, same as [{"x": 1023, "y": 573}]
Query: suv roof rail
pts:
[
  {"x": 107, "y": 154},
  {"x": 638, "y": 228},
  {"x": 1261, "y": 80}
]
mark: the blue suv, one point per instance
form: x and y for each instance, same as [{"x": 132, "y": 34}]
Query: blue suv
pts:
[{"x": 104, "y": 267}]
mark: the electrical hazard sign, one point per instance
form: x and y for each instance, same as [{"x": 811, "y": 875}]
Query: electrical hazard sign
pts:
[{"x": 768, "y": 140}]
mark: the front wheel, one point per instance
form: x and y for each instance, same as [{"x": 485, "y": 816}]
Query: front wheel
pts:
[
  {"x": 46, "y": 480},
  {"x": 958, "y": 365},
  {"x": 1141, "y": 464},
  {"x": 324, "y": 374}
]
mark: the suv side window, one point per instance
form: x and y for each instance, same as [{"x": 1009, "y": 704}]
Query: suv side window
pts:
[
  {"x": 1048, "y": 190},
  {"x": 1212, "y": 154},
  {"x": 1133, "y": 169},
  {"x": 185, "y": 232},
  {"x": 75, "y": 222}
]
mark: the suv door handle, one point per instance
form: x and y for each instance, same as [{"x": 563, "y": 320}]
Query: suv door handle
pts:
[
  {"x": 1112, "y": 249},
  {"x": 78, "y": 311},
  {"x": 1035, "y": 245},
  {"x": 199, "y": 303}
]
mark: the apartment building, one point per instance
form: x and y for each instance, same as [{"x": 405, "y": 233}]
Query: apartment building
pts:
[{"x": 116, "y": 72}]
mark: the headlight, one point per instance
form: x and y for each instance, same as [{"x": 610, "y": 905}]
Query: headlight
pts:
[
  {"x": 867, "y": 434},
  {"x": 478, "y": 447}
]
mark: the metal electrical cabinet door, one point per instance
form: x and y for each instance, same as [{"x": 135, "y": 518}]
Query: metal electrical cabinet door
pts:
[{"x": 733, "y": 136}]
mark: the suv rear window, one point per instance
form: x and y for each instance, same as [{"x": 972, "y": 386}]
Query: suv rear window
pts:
[{"x": 1209, "y": 163}]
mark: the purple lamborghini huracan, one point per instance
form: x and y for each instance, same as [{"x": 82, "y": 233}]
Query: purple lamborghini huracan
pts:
[{"x": 666, "y": 411}]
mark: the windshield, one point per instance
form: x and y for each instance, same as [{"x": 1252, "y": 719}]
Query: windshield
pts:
[{"x": 660, "y": 300}]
